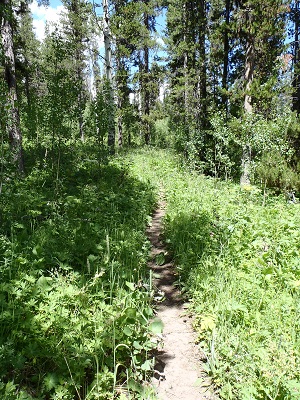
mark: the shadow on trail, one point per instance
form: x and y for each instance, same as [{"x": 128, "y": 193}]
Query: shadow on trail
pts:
[
  {"x": 178, "y": 252},
  {"x": 161, "y": 262},
  {"x": 66, "y": 221},
  {"x": 177, "y": 363}
]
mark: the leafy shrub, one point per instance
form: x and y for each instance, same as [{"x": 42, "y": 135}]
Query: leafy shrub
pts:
[
  {"x": 293, "y": 134},
  {"x": 74, "y": 310},
  {"x": 274, "y": 172},
  {"x": 222, "y": 150},
  {"x": 237, "y": 256},
  {"x": 217, "y": 151},
  {"x": 161, "y": 136}
]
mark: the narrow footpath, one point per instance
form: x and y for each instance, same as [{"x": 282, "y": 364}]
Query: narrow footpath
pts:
[{"x": 178, "y": 373}]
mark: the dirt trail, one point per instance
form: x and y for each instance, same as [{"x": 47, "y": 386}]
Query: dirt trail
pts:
[{"x": 178, "y": 373}]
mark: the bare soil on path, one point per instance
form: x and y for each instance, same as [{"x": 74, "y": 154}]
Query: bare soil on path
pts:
[{"x": 177, "y": 373}]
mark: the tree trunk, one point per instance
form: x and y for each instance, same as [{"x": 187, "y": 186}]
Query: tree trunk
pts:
[
  {"x": 185, "y": 67},
  {"x": 246, "y": 165},
  {"x": 120, "y": 102},
  {"x": 145, "y": 85},
  {"x": 249, "y": 72},
  {"x": 120, "y": 77},
  {"x": 146, "y": 96},
  {"x": 78, "y": 36},
  {"x": 202, "y": 71},
  {"x": 108, "y": 67},
  {"x": 13, "y": 120},
  {"x": 226, "y": 56},
  {"x": 296, "y": 61}
]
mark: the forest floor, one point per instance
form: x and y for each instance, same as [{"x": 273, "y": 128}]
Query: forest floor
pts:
[{"x": 179, "y": 372}]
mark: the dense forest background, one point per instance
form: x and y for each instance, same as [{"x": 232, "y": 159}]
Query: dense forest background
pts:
[{"x": 218, "y": 86}]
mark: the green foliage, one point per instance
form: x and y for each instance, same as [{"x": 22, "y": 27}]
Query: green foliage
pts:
[
  {"x": 74, "y": 307},
  {"x": 217, "y": 151},
  {"x": 274, "y": 172},
  {"x": 221, "y": 150},
  {"x": 237, "y": 253},
  {"x": 293, "y": 134},
  {"x": 161, "y": 136}
]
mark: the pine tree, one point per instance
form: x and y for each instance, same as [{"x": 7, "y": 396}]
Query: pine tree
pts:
[
  {"x": 261, "y": 32},
  {"x": 77, "y": 33},
  {"x": 27, "y": 49},
  {"x": 294, "y": 15},
  {"x": 144, "y": 66},
  {"x": 186, "y": 42},
  {"x": 132, "y": 24},
  {"x": 260, "y": 28},
  {"x": 221, "y": 42}
]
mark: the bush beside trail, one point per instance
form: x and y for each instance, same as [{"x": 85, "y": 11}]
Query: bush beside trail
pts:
[
  {"x": 73, "y": 251},
  {"x": 237, "y": 253}
]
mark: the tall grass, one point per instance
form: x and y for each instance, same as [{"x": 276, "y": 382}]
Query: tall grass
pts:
[
  {"x": 73, "y": 308},
  {"x": 238, "y": 256}
]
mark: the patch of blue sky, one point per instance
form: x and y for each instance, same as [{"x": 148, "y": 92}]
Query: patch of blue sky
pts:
[
  {"x": 45, "y": 14},
  {"x": 51, "y": 14}
]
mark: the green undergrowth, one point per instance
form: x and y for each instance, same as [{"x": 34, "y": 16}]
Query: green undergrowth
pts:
[
  {"x": 237, "y": 252},
  {"x": 74, "y": 291}
]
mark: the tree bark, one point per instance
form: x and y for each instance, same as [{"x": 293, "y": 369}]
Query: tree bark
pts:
[
  {"x": 226, "y": 56},
  {"x": 13, "y": 120},
  {"x": 296, "y": 61},
  {"x": 246, "y": 165},
  {"x": 145, "y": 84},
  {"x": 78, "y": 36},
  {"x": 120, "y": 95},
  {"x": 202, "y": 51},
  {"x": 185, "y": 67},
  {"x": 249, "y": 74},
  {"x": 109, "y": 79}
]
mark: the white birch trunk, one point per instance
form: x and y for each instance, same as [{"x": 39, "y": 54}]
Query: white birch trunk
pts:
[{"x": 249, "y": 73}]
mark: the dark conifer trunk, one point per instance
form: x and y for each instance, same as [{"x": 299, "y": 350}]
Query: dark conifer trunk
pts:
[
  {"x": 13, "y": 124},
  {"x": 226, "y": 56},
  {"x": 119, "y": 82},
  {"x": 109, "y": 80},
  {"x": 249, "y": 72},
  {"x": 202, "y": 69},
  {"x": 145, "y": 83},
  {"x": 296, "y": 60},
  {"x": 78, "y": 36}
]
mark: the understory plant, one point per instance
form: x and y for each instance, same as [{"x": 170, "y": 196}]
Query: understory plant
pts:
[
  {"x": 217, "y": 150},
  {"x": 237, "y": 254},
  {"x": 75, "y": 293}
]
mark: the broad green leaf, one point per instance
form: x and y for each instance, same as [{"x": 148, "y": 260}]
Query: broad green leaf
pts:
[
  {"x": 130, "y": 312},
  {"x": 146, "y": 366},
  {"x": 127, "y": 331},
  {"x": 137, "y": 345},
  {"x": 130, "y": 285},
  {"x": 156, "y": 326},
  {"x": 160, "y": 258},
  {"x": 207, "y": 323}
]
